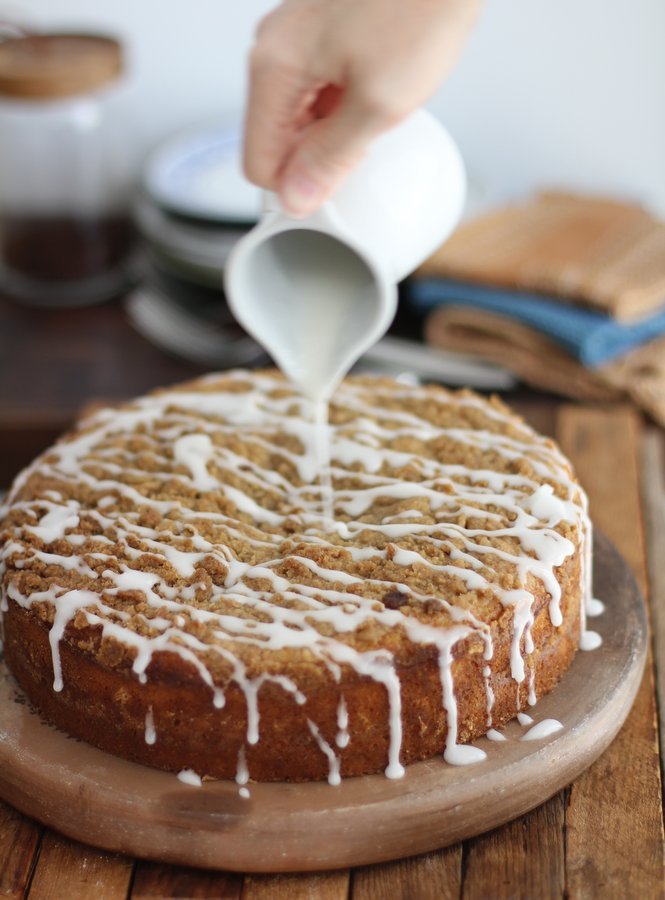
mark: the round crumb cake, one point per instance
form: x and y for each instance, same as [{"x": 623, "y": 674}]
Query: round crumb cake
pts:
[{"x": 212, "y": 578}]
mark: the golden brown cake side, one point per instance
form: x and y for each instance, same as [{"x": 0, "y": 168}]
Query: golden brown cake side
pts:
[
  {"x": 171, "y": 569},
  {"x": 193, "y": 734}
]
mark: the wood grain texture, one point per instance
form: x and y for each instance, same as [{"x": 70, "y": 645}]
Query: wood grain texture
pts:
[
  {"x": 67, "y": 870},
  {"x": 653, "y": 501},
  {"x": 19, "y": 841},
  {"x": 614, "y": 823},
  {"x": 603, "y": 445},
  {"x": 434, "y": 876},
  {"x": 53, "y": 360},
  {"x": 321, "y": 886},
  {"x": 605, "y": 253},
  {"x": 500, "y": 864},
  {"x": 540, "y": 414},
  {"x": 523, "y": 859},
  {"x": 157, "y": 880}
]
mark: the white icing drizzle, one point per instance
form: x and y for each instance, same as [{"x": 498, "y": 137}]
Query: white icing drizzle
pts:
[
  {"x": 244, "y": 793},
  {"x": 329, "y": 481},
  {"x": 53, "y": 524},
  {"x": 195, "y": 451},
  {"x": 189, "y": 776},
  {"x": 342, "y": 739},
  {"x": 590, "y": 640},
  {"x": 333, "y": 760},
  {"x": 594, "y": 607},
  {"x": 542, "y": 730},
  {"x": 489, "y": 693},
  {"x": 524, "y": 719},
  {"x": 455, "y": 754},
  {"x": 242, "y": 772},
  {"x": 65, "y": 609},
  {"x": 150, "y": 733},
  {"x": 495, "y": 735},
  {"x": 322, "y": 444}
]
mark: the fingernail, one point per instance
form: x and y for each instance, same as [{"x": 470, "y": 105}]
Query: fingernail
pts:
[{"x": 300, "y": 195}]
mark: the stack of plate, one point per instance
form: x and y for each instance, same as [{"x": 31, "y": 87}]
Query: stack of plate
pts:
[
  {"x": 196, "y": 203},
  {"x": 194, "y": 206}
]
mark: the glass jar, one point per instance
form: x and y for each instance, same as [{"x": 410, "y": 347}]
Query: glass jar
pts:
[{"x": 65, "y": 228}]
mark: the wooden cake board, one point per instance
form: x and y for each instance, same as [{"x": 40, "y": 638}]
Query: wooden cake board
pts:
[{"x": 121, "y": 806}]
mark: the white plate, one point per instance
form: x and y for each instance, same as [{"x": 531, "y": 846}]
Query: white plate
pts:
[{"x": 198, "y": 173}]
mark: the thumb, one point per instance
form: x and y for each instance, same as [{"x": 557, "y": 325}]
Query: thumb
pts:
[{"x": 328, "y": 151}]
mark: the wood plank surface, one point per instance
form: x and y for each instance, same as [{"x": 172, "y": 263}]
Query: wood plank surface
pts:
[
  {"x": 157, "y": 880},
  {"x": 614, "y": 822},
  {"x": 603, "y": 445},
  {"x": 523, "y": 859},
  {"x": 434, "y": 876},
  {"x": 500, "y": 864},
  {"x": 653, "y": 500},
  {"x": 318, "y": 886},
  {"x": 19, "y": 841},
  {"x": 67, "y": 870}
]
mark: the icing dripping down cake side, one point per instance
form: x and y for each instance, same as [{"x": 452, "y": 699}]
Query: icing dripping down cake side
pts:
[{"x": 176, "y": 591}]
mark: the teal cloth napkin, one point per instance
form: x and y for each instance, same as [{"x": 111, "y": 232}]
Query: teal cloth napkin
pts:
[{"x": 592, "y": 337}]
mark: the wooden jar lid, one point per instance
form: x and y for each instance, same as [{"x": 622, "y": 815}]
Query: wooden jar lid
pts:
[{"x": 46, "y": 66}]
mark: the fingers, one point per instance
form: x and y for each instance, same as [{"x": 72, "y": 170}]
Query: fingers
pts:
[
  {"x": 278, "y": 98},
  {"x": 328, "y": 150},
  {"x": 327, "y": 76}
]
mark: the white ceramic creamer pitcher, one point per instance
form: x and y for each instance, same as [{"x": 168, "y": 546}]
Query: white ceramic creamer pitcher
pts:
[{"x": 318, "y": 292}]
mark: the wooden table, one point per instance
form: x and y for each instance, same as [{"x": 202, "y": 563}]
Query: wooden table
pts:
[{"x": 602, "y": 836}]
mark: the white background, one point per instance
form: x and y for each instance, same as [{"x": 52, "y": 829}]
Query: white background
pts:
[{"x": 563, "y": 93}]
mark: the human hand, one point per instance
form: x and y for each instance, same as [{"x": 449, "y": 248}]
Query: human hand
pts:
[{"x": 327, "y": 76}]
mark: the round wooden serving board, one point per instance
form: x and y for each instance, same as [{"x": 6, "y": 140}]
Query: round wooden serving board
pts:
[{"x": 121, "y": 806}]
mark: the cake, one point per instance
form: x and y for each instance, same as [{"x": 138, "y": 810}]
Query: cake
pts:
[{"x": 210, "y": 578}]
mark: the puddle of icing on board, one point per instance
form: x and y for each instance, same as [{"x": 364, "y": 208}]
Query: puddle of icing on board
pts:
[
  {"x": 183, "y": 420},
  {"x": 189, "y": 776},
  {"x": 590, "y": 640},
  {"x": 542, "y": 729}
]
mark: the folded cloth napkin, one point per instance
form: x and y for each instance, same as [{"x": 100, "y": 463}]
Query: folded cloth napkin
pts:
[
  {"x": 591, "y": 336},
  {"x": 638, "y": 376},
  {"x": 593, "y": 251}
]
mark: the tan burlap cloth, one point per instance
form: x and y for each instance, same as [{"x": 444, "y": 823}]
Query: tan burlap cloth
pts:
[
  {"x": 639, "y": 375},
  {"x": 599, "y": 252},
  {"x": 590, "y": 251}
]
